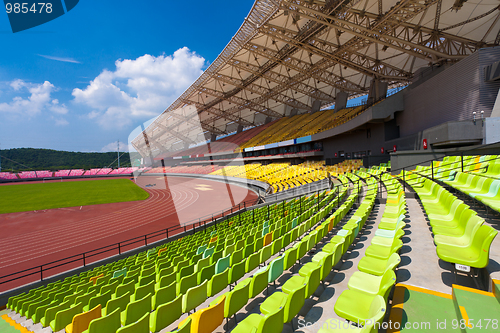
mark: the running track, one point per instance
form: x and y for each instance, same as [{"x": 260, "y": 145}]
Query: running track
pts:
[{"x": 31, "y": 239}]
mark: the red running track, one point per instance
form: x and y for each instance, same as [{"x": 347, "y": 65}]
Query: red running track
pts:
[{"x": 31, "y": 239}]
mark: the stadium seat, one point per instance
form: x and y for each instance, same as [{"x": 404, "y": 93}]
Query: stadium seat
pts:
[
  {"x": 80, "y": 322},
  {"x": 166, "y": 314},
  {"x": 107, "y": 324},
  {"x": 139, "y": 326}
]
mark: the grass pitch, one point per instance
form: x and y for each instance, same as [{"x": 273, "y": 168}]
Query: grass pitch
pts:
[{"x": 40, "y": 196}]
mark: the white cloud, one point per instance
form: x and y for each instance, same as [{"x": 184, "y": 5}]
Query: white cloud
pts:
[
  {"x": 113, "y": 146},
  {"x": 139, "y": 88},
  {"x": 61, "y": 122},
  {"x": 63, "y": 59},
  {"x": 32, "y": 99},
  {"x": 56, "y": 108}
]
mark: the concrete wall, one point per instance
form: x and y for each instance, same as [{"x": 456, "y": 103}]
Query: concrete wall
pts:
[{"x": 452, "y": 94}]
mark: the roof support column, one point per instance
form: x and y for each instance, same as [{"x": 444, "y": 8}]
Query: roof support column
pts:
[
  {"x": 341, "y": 100},
  {"x": 378, "y": 90},
  {"x": 316, "y": 106}
]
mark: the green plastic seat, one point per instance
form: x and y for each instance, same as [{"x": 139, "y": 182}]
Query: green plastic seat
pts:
[
  {"x": 359, "y": 307},
  {"x": 64, "y": 317},
  {"x": 236, "y": 272},
  {"x": 372, "y": 284},
  {"x": 166, "y": 314},
  {"x": 135, "y": 310},
  {"x": 290, "y": 256},
  {"x": 275, "y": 269},
  {"x": 122, "y": 289},
  {"x": 291, "y": 302},
  {"x": 50, "y": 313},
  {"x": 186, "y": 283},
  {"x": 252, "y": 262},
  {"x": 116, "y": 303},
  {"x": 98, "y": 300},
  {"x": 222, "y": 264},
  {"x": 164, "y": 295},
  {"x": 206, "y": 273},
  {"x": 474, "y": 254},
  {"x": 255, "y": 323},
  {"x": 235, "y": 299},
  {"x": 383, "y": 252},
  {"x": 218, "y": 282},
  {"x": 140, "y": 326},
  {"x": 106, "y": 324},
  {"x": 258, "y": 282},
  {"x": 142, "y": 291},
  {"x": 194, "y": 296}
]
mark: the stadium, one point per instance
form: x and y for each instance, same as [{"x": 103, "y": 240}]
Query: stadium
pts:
[{"x": 335, "y": 169}]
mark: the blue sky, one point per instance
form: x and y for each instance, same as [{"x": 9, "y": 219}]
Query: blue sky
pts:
[{"x": 89, "y": 77}]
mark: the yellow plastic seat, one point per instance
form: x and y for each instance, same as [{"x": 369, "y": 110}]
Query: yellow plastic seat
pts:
[
  {"x": 81, "y": 321},
  {"x": 208, "y": 319}
]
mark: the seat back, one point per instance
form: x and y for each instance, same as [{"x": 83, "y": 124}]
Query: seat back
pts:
[
  {"x": 290, "y": 256},
  {"x": 258, "y": 282},
  {"x": 195, "y": 296},
  {"x": 135, "y": 310},
  {"x": 186, "y": 283},
  {"x": 208, "y": 319},
  {"x": 140, "y": 326},
  {"x": 119, "y": 303},
  {"x": 218, "y": 282},
  {"x": 386, "y": 283},
  {"x": 237, "y": 298},
  {"x": 275, "y": 269},
  {"x": 313, "y": 280},
  {"x": 294, "y": 302},
  {"x": 144, "y": 290},
  {"x": 236, "y": 272},
  {"x": 265, "y": 253},
  {"x": 81, "y": 321},
  {"x": 481, "y": 243},
  {"x": 222, "y": 264},
  {"x": 108, "y": 324},
  {"x": 100, "y": 300},
  {"x": 377, "y": 310},
  {"x": 122, "y": 289},
  {"x": 164, "y": 295},
  {"x": 50, "y": 313},
  {"x": 272, "y": 322},
  {"x": 64, "y": 317},
  {"x": 166, "y": 314},
  {"x": 252, "y": 262}
]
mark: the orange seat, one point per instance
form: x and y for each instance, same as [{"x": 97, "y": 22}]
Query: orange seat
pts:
[{"x": 82, "y": 321}]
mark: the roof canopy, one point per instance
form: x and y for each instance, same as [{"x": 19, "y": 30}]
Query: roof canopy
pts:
[{"x": 294, "y": 54}]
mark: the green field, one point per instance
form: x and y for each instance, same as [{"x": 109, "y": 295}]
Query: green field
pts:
[{"x": 27, "y": 197}]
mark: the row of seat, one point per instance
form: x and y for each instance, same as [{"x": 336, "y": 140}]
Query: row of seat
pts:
[
  {"x": 364, "y": 302},
  {"x": 460, "y": 235},
  {"x": 483, "y": 189}
]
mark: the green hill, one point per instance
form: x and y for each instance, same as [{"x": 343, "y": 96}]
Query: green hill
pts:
[{"x": 48, "y": 159}]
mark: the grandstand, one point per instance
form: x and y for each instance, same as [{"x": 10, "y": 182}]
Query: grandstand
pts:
[{"x": 403, "y": 235}]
